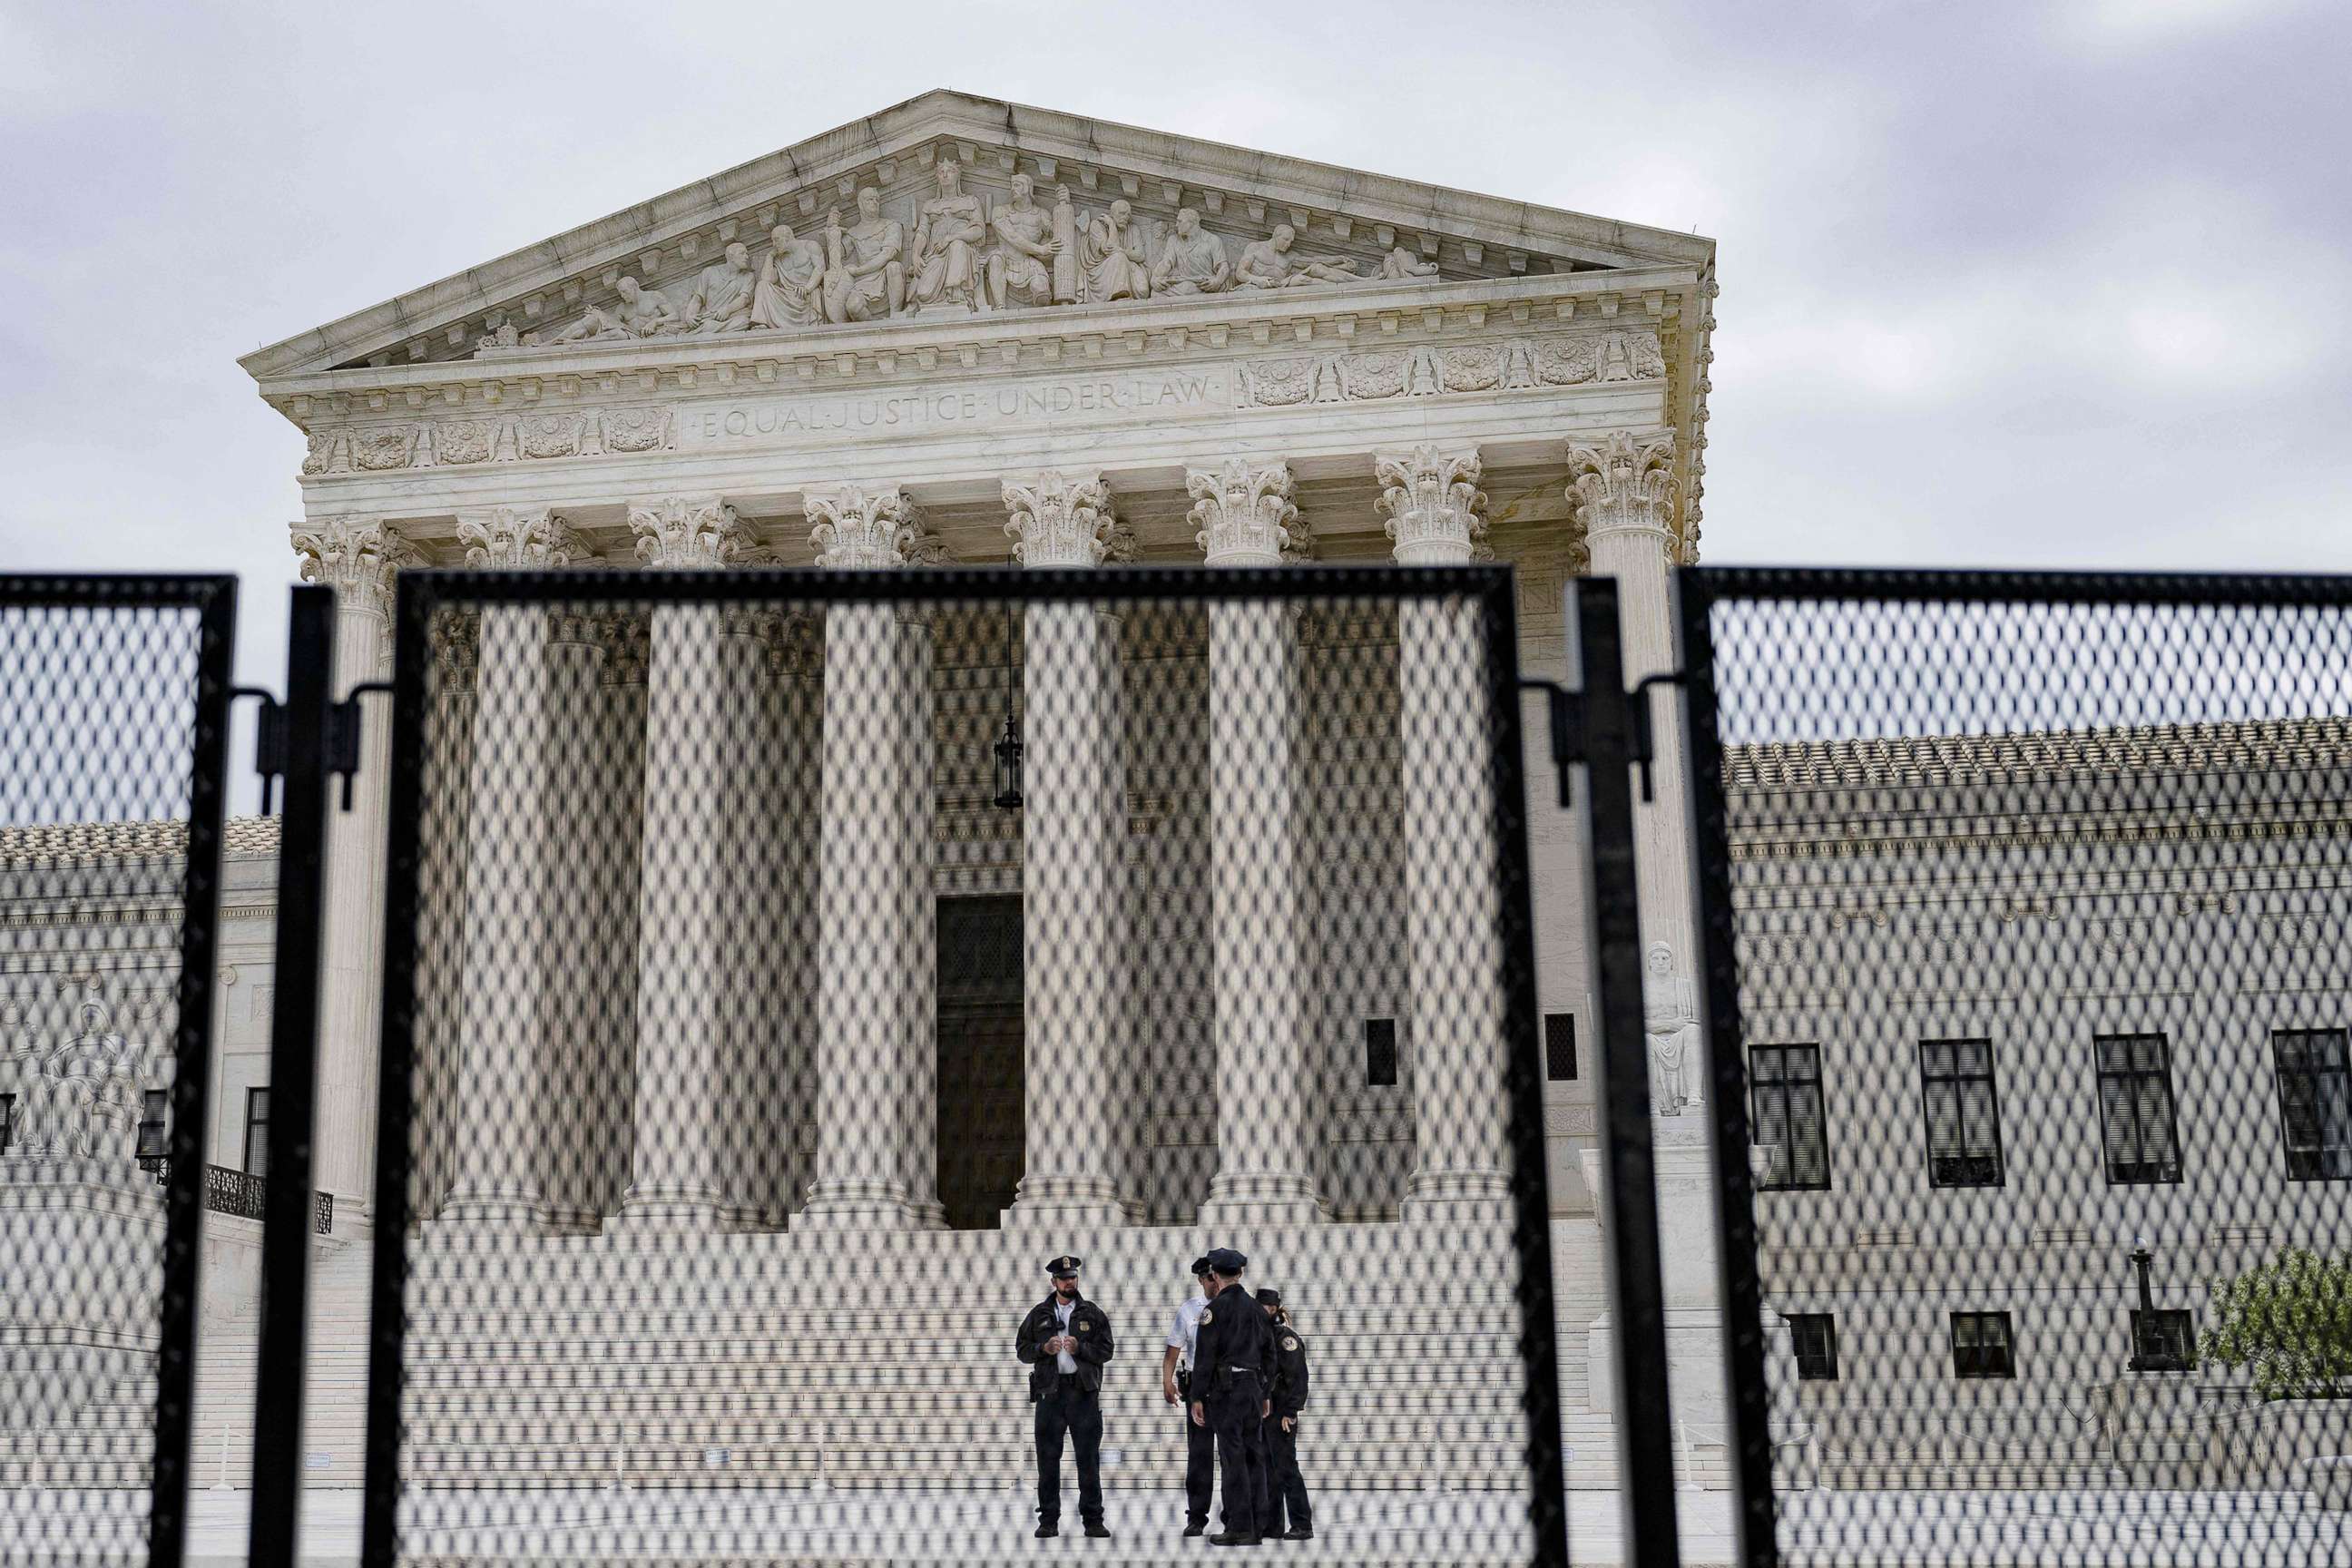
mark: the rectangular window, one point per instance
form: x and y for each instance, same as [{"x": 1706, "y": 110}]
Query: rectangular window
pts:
[
  {"x": 1963, "y": 1116},
  {"x": 1380, "y": 1051},
  {"x": 1559, "y": 1047},
  {"x": 154, "y": 1125},
  {"x": 1786, "y": 1084},
  {"x": 257, "y": 1132},
  {"x": 8, "y": 1122},
  {"x": 1814, "y": 1338},
  {"x": 1981, "y": 1345},
  {"x": 2315, "y": 1089},
  {"x": 2143, "y": 1143},
  {"x": 2163, "y": 1340}
]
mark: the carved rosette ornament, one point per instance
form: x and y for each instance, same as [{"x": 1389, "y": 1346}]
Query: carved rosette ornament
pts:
[
  {"x": 680, "y": 533},
  {"x": 1626, "y": 485},
  {"x": 860, "y": 528},
  {"x": 1435, "y": 511},
  {"x": 1245, "y": 514},
  {"x": 519, "y": 539},
  {"x": 357, "y": 557},
  {"x": 1059, "y": 520}
]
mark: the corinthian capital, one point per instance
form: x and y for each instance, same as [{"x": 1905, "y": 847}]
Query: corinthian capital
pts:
[
  {"x": 1244, "y": 513},
  {"x": 1437, "y": 513},
  {"x": 1059, "y": 520},
  {"x": 866, "y": 526},
  {"x": 697, "y": 533},
  {"x": 508, "y": 538},
  {"x": 356, "y": 556},
  {"x": 1626, "y": 483}
]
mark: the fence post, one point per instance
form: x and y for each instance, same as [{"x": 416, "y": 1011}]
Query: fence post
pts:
[
  {"x": 287, "y": 1214},
  {"x": 1637, "y": 1291}
]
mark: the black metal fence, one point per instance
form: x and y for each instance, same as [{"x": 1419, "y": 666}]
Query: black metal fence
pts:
[
  {"x": 113, "y": 699},
  {"x": 784, "y": 968},
  {"x": 2023, "y": 907}
]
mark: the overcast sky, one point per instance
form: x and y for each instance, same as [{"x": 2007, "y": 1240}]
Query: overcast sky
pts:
[{"x": 2002, "y": 284}]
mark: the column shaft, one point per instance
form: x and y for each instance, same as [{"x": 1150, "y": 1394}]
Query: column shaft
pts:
[{"x": 501, "y": 1107}]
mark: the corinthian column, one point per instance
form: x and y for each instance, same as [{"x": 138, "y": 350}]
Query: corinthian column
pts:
[
  {"x": 1265, "y": 1162},
  {"x": 1073, "y": 869},
  {"x": 1625, "y": 494},
  {"x": 1453, "y": 943},
  {"x": 681, "y": 1087},
  {"x": 357, "y": 558},
  {"x": 876, "y": 943},
  {"x": 514, "y": 881}
]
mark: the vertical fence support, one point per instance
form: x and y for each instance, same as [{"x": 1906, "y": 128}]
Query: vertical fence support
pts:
[
  {"x": 1637, "y": 1289},
  {"x": 287, "y": 1219},
  {"x": 191, "y": 1051}
]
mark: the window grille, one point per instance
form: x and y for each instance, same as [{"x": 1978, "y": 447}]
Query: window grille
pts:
[
  {"x": 1813, "y": 1337},
  {"x": 1559, "y": 1047},
  {"x": 2164, "y": 1340},
  {"x": 1380, "y": 1052},
  {"x": 2136, "y": 1110},
  {"x": 2315, "y": 1089},
  {"x": 1788, "y": 1115},
  {"x": 1955, "y": 1081},
  {"x": 257, "y": 1132},
  {"x": 1981, "y": 1345}
]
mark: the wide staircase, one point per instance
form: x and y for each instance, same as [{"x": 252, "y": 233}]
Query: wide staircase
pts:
[{"x": 886, "y": 1362}]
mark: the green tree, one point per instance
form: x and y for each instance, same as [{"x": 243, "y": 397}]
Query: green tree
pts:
[{"x": 2290, "y": 1322}]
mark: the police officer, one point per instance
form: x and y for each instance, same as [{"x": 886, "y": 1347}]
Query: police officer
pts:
[
  {"x": 1236, "y": 1354},
  {"x": 1176, "y": 1379},
  {"x": 1285, "y": 1491},
  {"x": 1064, "y": 1341}
]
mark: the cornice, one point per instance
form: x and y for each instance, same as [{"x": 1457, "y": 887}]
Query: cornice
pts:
[
  {"x": 1049, "y": 145},
  {"x": 1063, "y": 337}
]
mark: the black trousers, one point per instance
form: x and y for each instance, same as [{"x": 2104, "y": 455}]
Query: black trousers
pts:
[
  {"x": 1069, "y": 1409},
  {"x": 1200, "y": 1470},
  {"x": 1241, "y": 1450},
  {"x": 1285, "y": 1488}
]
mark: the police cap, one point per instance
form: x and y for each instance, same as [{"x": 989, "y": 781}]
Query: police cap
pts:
[
  {"x": 1062, "y": 1268},
  {"x": 1268, "y": 1296},
  {"x": 1226, "y": 1261},
  {"x": 1200, "y": 1267}
]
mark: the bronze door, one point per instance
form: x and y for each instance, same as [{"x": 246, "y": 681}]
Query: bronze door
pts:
[{"x": 980, "y": 1061}]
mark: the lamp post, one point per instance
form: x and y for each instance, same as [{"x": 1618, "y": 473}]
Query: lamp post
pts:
[{"x": 2143, "y": 1324}]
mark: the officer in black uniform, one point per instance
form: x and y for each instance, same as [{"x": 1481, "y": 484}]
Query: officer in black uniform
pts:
[
  {"x": 1286, "y": 1492},
  {"x": 1230, "y": 1396},
  {"x": 1064, "y": 1341}
]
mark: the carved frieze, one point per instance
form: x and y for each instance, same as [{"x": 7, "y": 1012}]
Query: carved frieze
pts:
[
  {"x": 494, "y": 438},
  {"x": 1426, "y": 370}
]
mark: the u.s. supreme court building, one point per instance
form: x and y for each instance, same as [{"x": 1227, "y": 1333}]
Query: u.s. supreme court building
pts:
[{"x": 956, "y": 332}]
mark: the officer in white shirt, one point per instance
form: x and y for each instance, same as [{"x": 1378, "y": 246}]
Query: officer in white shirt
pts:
[{"x": 1175, "y": 1379}]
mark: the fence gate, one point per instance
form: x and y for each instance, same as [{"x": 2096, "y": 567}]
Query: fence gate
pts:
[
  {"x": 783, "y": 968},
  {"x": 114, "y": 696},
  {"x": 2028, "y": 992}
]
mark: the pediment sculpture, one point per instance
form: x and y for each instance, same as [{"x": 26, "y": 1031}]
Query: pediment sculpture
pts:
[
  {"x": 79, "y": 1095},
  {"x": 961, "y": 253}
]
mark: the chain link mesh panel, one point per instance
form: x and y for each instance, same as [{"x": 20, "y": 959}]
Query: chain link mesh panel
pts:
[
  {"x": 788, "y": 971},
  {"x": 112, "y": 696},
  {"x": 2026, "y": 914}
]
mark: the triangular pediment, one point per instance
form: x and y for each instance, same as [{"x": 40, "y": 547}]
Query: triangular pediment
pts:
[{"x": 1350, "y": 229}]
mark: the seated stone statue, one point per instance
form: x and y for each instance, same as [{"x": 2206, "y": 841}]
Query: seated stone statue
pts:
[
  {"x": 790, "y": 289},
  {"x": 1111, "y": 256},
  {"x": 722, "y": 300},
  {"x": 865, "y": 273},
  {"x": 642, "y": 313},
  {"x": 1021, "y": 268},
  {"x": 1192, "y": 261},
  {"x": 1269, "y": 264},
  {"x": 943, "y": 267},
  {"x": 1670, "y": 1018},
  {"x": 80, "y": 1097},
  {"x": 1401, "y": 264}
]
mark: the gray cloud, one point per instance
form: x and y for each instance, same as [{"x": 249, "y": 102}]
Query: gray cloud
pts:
[{"x": 2002, "y": 283}]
